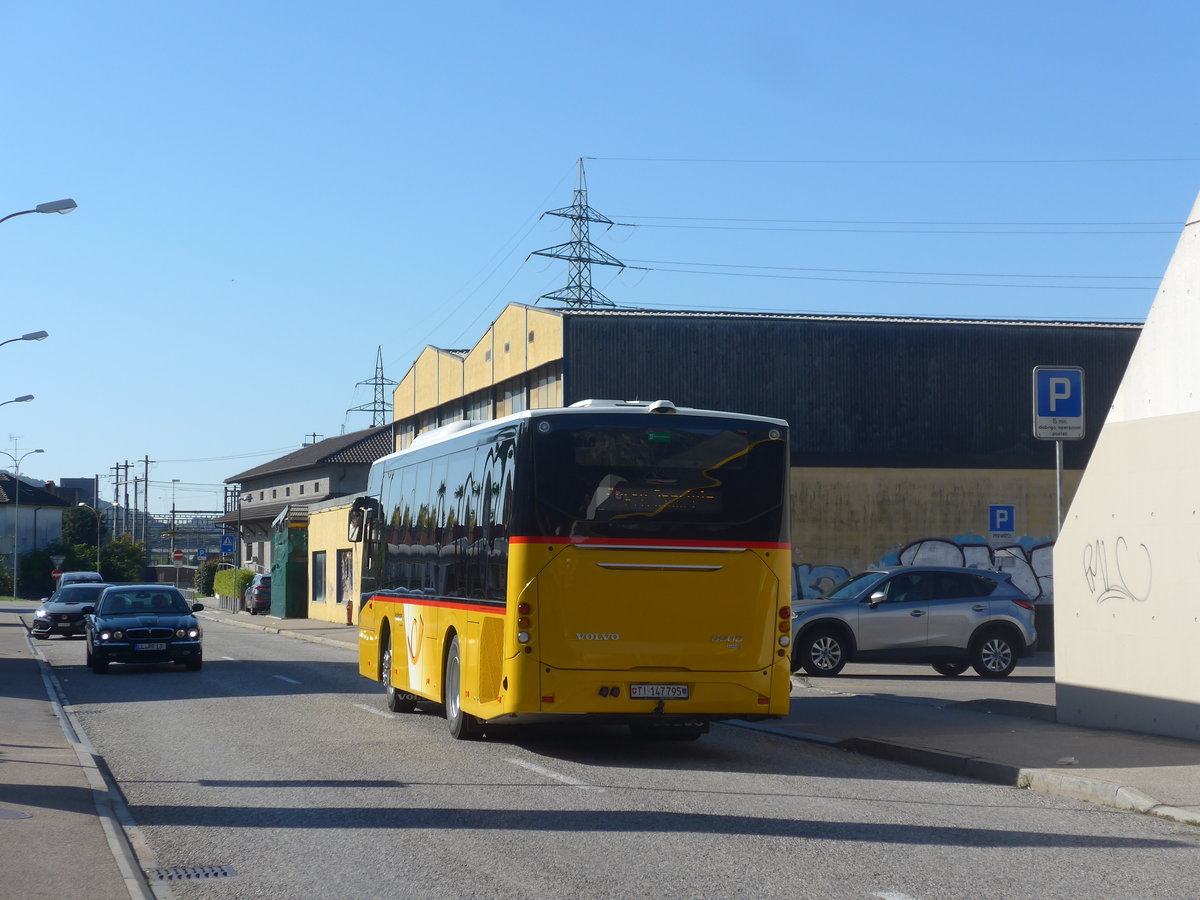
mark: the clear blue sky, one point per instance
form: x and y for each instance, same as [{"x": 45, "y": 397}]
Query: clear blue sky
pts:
[{"x": 268, "y": 191}]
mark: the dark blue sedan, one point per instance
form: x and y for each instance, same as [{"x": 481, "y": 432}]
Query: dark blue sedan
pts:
[{"x": 143, "y": 623}]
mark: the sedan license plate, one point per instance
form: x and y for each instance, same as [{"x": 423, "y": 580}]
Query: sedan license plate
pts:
[
  {"x": 658, "y": 691},
  {"x": 155, "y": 646}
]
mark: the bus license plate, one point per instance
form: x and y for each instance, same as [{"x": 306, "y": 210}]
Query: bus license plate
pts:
[
  {"x": 156, "y": 646},
  {"x": 658, "y": 691}
]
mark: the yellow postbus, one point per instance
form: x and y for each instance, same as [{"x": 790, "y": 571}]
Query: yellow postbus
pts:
[{"x": 626, "y": 560}]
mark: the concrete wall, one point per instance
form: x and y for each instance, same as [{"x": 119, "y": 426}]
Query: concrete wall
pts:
[{"x": 1127, "y": 613}]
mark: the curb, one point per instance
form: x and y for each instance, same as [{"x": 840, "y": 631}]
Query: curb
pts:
[{"x": 1043, "y": 781}]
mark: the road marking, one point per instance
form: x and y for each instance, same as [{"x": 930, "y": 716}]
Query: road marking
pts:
[
  {"x": 230, "y": 658},
  {"x": 557, "y": 776},
  {"x": 373, "y": 711},
  {"x": 892, "y": 895},
  {"x": 285, "y": 678}
]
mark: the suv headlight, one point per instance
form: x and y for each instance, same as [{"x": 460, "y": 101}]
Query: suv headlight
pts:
[{"x": 40, "y": 614}]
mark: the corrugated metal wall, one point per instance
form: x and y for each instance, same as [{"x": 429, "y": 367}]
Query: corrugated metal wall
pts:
[{"x": 857, "y": 393}]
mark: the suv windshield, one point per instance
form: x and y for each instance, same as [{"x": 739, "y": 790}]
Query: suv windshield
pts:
[{"x": 143, "y": 603}]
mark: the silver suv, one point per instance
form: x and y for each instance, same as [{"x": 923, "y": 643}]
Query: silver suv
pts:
[{"x": 948, "y": 618}]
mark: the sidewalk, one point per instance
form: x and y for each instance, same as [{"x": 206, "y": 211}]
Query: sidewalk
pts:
[{"x": 58, "y": 818}]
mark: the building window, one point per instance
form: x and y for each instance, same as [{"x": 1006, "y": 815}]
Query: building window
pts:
[
  {"x": 345, "y": 575},
  {"x": 260, "y": 495},
  {"x": 316, "y": 486},
  {"x": 301, "y": 489},
  {"x": 531, "y": 337},
  {"x": 506, "y": 346},
  {"x": 287, "y": 492},
  {"x": 487, "y": 355},
  {"x": 513, "y": 398},
  {"x": 274, "y": 494},
  {"x": 318, "y": 576}
]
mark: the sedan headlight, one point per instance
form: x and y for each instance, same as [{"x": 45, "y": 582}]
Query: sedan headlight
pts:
[{"x": 40, "y": 614}]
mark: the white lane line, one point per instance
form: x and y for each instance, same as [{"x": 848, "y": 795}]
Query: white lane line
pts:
[
  {"x": 373, "y": 711},
  {"x": 285, "y": 678},
  {"x": 892, "y": 895},
  {"x": 557, "y": 776},
  {"x": 230, "y": 658}
]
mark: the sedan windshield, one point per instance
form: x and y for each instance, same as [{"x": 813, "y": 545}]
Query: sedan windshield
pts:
[{"x": 143, "y": 603}]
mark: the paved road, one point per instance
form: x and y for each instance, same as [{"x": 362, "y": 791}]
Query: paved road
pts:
[{"x": 281, "y": 763}]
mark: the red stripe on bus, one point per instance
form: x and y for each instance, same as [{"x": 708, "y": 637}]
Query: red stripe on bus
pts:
[
  {"x": 650, "y": 543},
  {"x": 442, "y": 603}
]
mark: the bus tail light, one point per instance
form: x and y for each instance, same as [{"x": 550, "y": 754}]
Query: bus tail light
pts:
[
  {"x": 784, "y": 640},
  {"x": 523, "y": 637},
  {"x": 785, "y": 627},
  {"x": 524, "y": 609}
]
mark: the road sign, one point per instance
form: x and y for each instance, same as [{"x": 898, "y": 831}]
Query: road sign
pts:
[
  {"x": 56, "y": 574},
  {"x": 178, "y": 554},
  {"x": 226, "y": 543},
  {"x": 1002, "y": 522},
  {"x": 57, "y": 560},
  {"x": 201, "y": 553},
  {"x": 1058, "y": 403}
]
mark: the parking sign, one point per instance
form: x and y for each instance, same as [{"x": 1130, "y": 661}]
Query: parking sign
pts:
[
  {"x": 1058, "y": 403},
  {"x": 1002, "y": 520}
]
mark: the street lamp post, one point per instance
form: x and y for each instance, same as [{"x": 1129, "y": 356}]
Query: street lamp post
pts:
[
  {"x": 96, "y": 513},
  {"x": 23, "y": 399},
  {"x": 54, "y": 206},
  {"x": 32, "y": 336},
  {"x": 17, "y": 513}
]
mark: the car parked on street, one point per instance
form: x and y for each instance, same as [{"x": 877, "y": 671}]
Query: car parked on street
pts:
[
  {"x": 945, "y": 617},
  {"x": 258, "y": 595},
  {"x": 143, "y": 623},
  {"x": 62, "y": 612}
]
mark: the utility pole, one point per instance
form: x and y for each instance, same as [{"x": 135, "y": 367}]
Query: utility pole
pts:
[
  {"x": 116, "y": 499},
  {"x": 580, "y": 252},
  {"x": 380, "y": 409}
]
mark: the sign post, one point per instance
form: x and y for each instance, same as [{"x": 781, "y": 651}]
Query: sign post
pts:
[
  {"x": 178, "y": 555},
  {"x": 1058, "y": 414}
]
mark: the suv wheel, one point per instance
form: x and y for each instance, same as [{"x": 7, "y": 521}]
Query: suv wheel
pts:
[
  {"x": 823, "y": 652},
  {"x": 993, "y": 655}
]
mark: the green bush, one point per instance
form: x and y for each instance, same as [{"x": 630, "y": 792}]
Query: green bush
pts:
[
  {"x": 205, "y": 573},
  {"x": 231, "y": 583}
]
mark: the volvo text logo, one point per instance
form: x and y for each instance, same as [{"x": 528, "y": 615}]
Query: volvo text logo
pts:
[{"x": 595, "y": 636}]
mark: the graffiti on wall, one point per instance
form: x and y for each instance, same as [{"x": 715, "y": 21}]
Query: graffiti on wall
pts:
[
  {"x": 1118, "y": 572},
  {"x": 1029, "y": 561}
]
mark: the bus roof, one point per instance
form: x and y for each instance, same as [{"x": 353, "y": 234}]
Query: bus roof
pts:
[{"x": 583, "y": 407}]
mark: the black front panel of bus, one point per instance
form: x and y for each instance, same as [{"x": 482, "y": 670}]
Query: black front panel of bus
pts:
[{"x": 656, "y": 477}]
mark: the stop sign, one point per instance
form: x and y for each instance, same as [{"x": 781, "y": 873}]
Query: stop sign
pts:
[
  {"x": 56, "y": 574},
  {"x": 178, "y": 556}
]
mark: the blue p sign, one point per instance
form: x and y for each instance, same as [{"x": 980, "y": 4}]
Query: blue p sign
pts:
[
  {"x": 1002, "y": 519},
  {"x": 1058, "y": 408}
]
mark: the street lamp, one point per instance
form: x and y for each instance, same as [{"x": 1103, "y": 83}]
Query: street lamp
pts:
[
  {"x": 54, "y": 206},
  {"x": 25, "y": 399},
  {"x": 32, "y": 336},
  {"x": 96, "y": 513},
  {"x": 17, "y": 513}
]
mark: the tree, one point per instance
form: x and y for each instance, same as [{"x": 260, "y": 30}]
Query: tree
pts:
[
  {"x": 123, "y": 560},
  {"x": 79, "y": 526}
]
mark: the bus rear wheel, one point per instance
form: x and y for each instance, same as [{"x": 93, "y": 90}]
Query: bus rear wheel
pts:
[
  {"x": 398, "y": 701},
  {"x": 463, "y": 725}
]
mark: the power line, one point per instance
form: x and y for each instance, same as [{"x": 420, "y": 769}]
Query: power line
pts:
[
  {"x": 1061, "y": 287},
  {"x": 898, "y": 162},
  {"x": 874, "y": 221},
  {"x": 667, "y": 262},
  {"x": 870, "y": 230}
]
